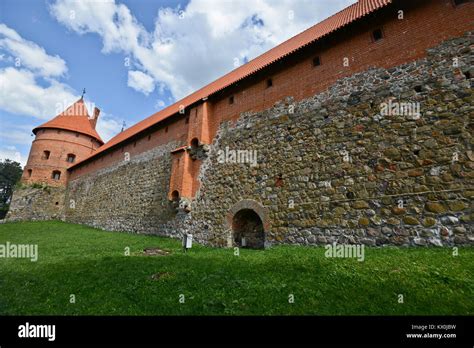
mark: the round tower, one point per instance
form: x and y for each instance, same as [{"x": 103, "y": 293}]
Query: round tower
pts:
[{"x": 59, "y": 143}]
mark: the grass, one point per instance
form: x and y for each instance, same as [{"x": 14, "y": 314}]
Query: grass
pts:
[{"x": 91, "y": 264}]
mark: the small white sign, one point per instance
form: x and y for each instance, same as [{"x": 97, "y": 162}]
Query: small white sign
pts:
[{"x": 188, "y": 241}]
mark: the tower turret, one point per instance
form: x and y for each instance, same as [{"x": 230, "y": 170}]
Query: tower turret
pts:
[{"x": 61, "y": 142}]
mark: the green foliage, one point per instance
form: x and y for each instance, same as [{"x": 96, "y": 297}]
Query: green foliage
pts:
[
  {"x": 92, "y": 265},
  {"x": 10, "y": 174}
]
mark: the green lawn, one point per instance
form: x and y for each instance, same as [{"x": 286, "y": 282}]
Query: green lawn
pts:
[{"x": 91, "y": 264}]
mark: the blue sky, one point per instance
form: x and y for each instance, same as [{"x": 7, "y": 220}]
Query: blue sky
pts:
[{"x": 134, "y": 57}]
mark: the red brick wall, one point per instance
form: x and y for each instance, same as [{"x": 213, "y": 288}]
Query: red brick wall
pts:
[
  {"x": 175, "y": 130},
  {"x": 426, "y": 23},
  {"x": 60, "y": 143}
]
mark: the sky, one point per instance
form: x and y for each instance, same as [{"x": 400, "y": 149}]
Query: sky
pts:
[{"x": 133, "y": 57}]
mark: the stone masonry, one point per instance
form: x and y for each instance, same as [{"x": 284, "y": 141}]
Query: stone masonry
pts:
[{"x": 336, "y": 170}]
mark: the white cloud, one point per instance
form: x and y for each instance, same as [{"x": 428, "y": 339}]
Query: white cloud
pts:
[
  {"x": 21, "y": 94},
  {"x": 20, "y": 136},
  {"x": 108, "y": 126},
  {"x": 12, "y": 153},
  {"x": 190, "y": 47},
  {"x": 140, "y": 82},
  {"x": 28, "y": 54}
]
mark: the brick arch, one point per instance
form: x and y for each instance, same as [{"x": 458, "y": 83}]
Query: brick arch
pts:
[{"x": 261, "y": 211}]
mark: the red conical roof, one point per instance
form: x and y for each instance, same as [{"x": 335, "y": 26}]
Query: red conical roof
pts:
[{"x": 75, "y": 118}]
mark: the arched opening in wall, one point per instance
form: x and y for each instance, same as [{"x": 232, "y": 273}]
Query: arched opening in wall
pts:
[
  {"x": 194, "y": 143},
  {"x": 56, "y": 175},
  {"x": 175, "y": 199},
  {"x": 194, "y": 148},
  {"x": 30, "y": 171},
  {"x": 248, "y": 229},
  {"x": 46, "y": 154},
  {"x": 175, "y": 196}
]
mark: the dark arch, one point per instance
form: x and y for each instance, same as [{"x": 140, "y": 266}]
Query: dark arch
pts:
[
  {"x": 247, "y": 229},
  {"x": 194, "y": 143},
  {"x": 175, "y": 196},
  {"x": 257, "y": 208}
]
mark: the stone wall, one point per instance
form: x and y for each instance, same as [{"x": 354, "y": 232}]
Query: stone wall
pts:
[
  {"x": 36, "y": 202},
  {"x": 333, "y": 168},
  {"x": 128, "y": 196},
  {"x": 330, "y": 168}
]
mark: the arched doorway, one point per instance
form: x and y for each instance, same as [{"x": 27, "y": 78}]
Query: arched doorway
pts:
[{"x": 248, "y": 229}]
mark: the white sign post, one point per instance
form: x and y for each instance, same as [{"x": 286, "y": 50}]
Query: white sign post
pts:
[{"x": 187, "y": 242}]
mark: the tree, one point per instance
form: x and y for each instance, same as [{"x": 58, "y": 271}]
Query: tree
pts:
[{"x": 10, "y": 173}]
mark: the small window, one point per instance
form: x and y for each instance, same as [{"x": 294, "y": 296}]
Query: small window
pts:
[
  {"x": 149, "y": 137},
  {"x": 56, "y": 175},
  {"x": 175, "y": 196},
  {"x": 135, "y": 144},
  {"x": 187, "y": 120},
  {"x": 317, "y": 61},
  {"x": 269, "y": 83},
  {"x": 166, "y": 130},
  {"x": 195, "y": 143},
  {"x": 377, "y": 34},
  {"x": 231, "y": 100},
  {"x": 46, "y": 154},
  {"x": 71, "y": 157},
  {"x": 30, "y": 171}
]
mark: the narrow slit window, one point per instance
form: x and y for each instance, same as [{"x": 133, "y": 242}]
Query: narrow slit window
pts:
[
  {"x": 377, "y": 34},
  {"x": 231, "y": 100},
  {"x": 269, "y": 83},
  {"x": 317, "y": 61}
]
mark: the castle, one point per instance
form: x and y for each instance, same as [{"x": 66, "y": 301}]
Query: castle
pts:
[{"x": 357, "y": 130}]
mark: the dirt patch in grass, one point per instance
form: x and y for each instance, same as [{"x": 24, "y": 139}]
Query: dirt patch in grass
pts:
[{"x": 154, "y": 251}]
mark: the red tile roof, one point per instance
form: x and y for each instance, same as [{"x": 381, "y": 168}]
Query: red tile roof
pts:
[
  {"x": 337, "y": 21},
  {"x": 74, "y": 118}
]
